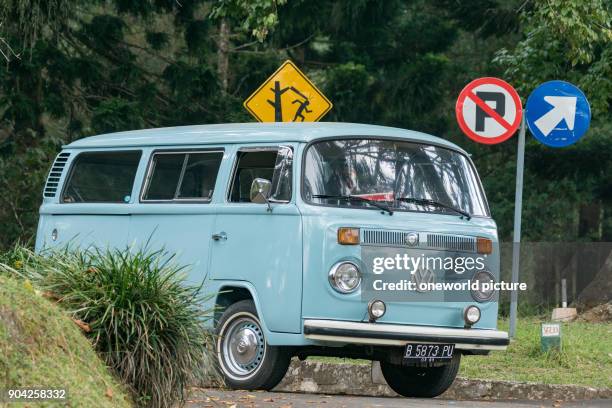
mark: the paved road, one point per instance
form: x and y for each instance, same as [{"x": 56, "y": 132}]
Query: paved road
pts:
[{"x": 208, "y": 398}]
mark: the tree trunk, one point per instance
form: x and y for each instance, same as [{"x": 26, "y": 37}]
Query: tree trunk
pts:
[{"x": 223, "y": 55}]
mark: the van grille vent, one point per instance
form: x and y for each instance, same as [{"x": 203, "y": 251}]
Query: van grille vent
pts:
[
  {"x": 451, "y": 242},
  {"x": 384, "y": 237},
  {"x": 444, "y": 242},
  {"x": 55, "y": 174}
]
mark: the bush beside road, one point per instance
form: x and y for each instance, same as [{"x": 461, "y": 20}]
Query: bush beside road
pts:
[{"x": 143, "y": 320}]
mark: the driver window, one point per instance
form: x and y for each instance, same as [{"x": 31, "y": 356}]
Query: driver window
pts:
[{"x": 274, "y": 165}]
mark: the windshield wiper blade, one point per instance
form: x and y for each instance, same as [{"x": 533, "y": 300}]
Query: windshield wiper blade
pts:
[
  {"x": 424, "y": 201},
  {"x": 356, "y": 198}
]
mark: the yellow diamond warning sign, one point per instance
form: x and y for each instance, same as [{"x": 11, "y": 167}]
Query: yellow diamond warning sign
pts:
[{"x": 287, "y": 96}]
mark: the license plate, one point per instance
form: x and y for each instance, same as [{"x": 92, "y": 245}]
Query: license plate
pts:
[{"x": 429, "y": 352}]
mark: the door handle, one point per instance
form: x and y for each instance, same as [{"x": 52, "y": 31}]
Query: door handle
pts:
[{"x": 220, "y": 236}]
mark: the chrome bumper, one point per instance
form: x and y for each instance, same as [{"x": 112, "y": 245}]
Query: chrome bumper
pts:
[{"x": 339, "y": 331}]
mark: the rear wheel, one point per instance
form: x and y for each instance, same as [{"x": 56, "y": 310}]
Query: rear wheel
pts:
[
  {"x": 245, "y": 359},
  {"x": 420, "y": 382}
]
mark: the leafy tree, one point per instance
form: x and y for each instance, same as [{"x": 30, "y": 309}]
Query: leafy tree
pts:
[{"x": 81, "y": 67}]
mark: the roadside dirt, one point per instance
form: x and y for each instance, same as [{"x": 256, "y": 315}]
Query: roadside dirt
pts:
[{"x": 597, "y": 314}]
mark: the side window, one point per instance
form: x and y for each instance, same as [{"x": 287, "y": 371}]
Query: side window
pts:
[
  {"x": 200, "y": 175},
  {"x": 165, "y": 175},
  {"x": 102, "y": 177},
  {"x": 182, "y": 176},
  {"x": 275, "y": 165}
]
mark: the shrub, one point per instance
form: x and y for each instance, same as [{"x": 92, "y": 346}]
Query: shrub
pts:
[{"x": 144, "y": 321}]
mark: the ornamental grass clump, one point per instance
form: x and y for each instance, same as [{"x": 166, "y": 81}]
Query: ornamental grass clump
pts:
[{"x": 143, "y": 319}]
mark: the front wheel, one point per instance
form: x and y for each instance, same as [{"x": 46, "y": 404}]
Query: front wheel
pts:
[
  {"x": 420, "y": 382},
  {"x": 245, "y": 359}
]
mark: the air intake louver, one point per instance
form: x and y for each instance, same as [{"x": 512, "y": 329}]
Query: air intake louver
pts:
[
  {"x": 384, "y": 237},
  {"x": 395, "y": 238},
  {"x": 451, "y": 242},
  {"x": 55, "y": 174}
]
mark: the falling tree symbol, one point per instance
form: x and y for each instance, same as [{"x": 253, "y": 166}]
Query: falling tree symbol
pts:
[{"x": 277, "y": 104}]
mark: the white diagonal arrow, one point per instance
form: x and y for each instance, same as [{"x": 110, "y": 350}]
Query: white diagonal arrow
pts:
[{"x": 564, "y": 107}]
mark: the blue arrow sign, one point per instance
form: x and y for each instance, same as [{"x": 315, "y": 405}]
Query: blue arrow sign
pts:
[{"x": 558, "y": 113}]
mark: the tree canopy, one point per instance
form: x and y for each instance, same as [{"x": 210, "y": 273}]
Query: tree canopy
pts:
[{"x": 83, "y": 67}]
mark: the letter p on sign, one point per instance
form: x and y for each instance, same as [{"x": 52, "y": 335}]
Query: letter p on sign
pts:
[{"x": 489, "y": 110}]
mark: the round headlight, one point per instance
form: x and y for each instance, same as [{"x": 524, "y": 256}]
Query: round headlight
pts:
[
  {"x": 376, "y": 309},
  {"x": 345, "y": 277},
  {"x": 483, "y": 294},
  {"x": 471, "y": 315}
]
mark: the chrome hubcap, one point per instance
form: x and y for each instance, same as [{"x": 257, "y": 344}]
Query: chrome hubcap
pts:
[{"x": 243, "y": 346}]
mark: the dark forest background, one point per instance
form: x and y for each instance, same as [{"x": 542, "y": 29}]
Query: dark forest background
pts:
[{"x": 75, "y": 68}]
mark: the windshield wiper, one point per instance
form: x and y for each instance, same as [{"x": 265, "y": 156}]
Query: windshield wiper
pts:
[
  {"x": 356, "y": 198},
  {"x": 424, "y": 201}
]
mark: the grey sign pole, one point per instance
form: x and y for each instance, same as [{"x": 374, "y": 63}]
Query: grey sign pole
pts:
[{"x": 516, "y": 241}]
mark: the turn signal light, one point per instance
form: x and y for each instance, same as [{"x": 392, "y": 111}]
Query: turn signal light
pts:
[
  {"x": 348, "y": 236},
  {"x": 484, "y": 245}
]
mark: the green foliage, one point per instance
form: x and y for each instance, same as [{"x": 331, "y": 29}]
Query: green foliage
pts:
[
  {"x": 21, "y": 195},
  {"x": 43, "y": 348},
  {"x": 88, "y": 67},
  {"x": 144, "y": 321},
  {"x": 569, "y": 40},
  {"x": 257, "y": 17},
  {"x": 116, "y": 114}
]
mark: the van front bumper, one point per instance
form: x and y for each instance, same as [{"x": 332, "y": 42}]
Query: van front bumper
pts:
[{"x": 337, "y": 331}]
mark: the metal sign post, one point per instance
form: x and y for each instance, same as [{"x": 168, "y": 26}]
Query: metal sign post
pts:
[{"x": 516, "y": 240}]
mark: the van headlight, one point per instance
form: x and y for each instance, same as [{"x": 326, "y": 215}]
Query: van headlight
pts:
[
  {"x": 345, "y": 277},
  {"x": 471, "y": 315},
  {"x": 482, "y": 294}
]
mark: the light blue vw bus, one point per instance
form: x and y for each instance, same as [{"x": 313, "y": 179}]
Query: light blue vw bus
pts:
[{"x": 311, "y": 236}]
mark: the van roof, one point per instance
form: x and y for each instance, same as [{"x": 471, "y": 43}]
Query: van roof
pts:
[{"x": 250, "y": 133}]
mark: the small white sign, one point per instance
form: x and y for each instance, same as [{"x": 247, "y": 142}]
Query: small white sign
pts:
[{"x": 551, "y": 330}]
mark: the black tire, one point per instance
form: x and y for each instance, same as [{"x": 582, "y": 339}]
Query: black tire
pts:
[
  {"x": 244, "y": 357},
  {"x": 420, "y": 382}
]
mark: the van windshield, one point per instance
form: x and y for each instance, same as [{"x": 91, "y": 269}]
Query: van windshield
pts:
[{"x": 389, "y": 170}]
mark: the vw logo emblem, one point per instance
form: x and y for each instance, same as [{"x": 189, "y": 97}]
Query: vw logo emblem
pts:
[
  {"x": 411, "y": 239},
  {"x": 423, "y": 277}
]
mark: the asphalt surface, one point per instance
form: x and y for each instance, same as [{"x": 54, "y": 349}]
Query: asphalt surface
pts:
[{"x": 214, "y": 398}]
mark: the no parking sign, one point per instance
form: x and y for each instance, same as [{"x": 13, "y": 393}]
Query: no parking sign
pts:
[{"x": 489, "y": 110}]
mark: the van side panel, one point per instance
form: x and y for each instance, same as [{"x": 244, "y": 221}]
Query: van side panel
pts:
[
  {"x": 182, "y": 229},
  {"x": 184, "y": 235},
  {"x": 266, "y": 250},
  {"x": 79, "y": 230}
]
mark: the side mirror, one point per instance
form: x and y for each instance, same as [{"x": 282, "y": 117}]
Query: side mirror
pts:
[{"x": 260, "y": 191}]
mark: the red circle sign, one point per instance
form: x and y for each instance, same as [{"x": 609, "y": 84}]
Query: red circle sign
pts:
[{"x": 489, "y": 110}]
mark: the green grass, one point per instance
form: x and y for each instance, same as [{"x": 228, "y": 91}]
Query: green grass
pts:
[
  {"x": 586, "y": 357},
  {"x": 41, "y": 347}
]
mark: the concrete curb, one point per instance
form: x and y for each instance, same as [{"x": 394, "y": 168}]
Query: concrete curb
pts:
[{"x": 353, "y": 379}]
